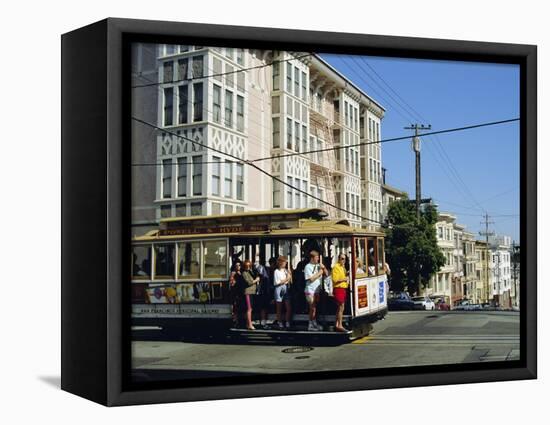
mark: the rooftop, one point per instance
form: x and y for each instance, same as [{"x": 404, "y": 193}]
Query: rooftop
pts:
[{"x": 365, "y": 99}]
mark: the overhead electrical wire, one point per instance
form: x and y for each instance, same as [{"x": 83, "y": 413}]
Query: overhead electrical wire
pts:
[
  {"x": 461, "y": 186},
  {"x": 290, "y": 154},
  {"x": 251, "y": 164},
  {"x": 414, "y": 116}
]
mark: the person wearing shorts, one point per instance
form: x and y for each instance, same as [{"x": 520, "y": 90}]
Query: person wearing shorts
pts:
[
  {"x": 340, "y": 283},
  {"x": 236, "y": 286},
  {"x": 313, "y": 272},
  {"x": 251, "y": 281},
  {"x": 264, "y": 293},
  {"x": 281, "y": 279}
]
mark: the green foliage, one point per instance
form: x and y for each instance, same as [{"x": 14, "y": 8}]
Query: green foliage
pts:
[{"x": 411, "y": 246}]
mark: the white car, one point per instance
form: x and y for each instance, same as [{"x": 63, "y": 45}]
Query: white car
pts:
[{"x": 423, "y": 303}]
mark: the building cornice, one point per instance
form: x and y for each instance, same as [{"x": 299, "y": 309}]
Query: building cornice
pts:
[
  {"x": 341, "y": 82},
  {"x": 394, "y": 190}
]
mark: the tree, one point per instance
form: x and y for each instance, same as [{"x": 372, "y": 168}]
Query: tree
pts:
[{"x": 411, "y": 246}]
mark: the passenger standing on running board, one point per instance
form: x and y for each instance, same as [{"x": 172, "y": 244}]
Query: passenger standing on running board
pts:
[
  {"x": 282, "y": 279},
  {"x": 251, "y": 280},
  {"x": 312, "y": 274},
  {"x": 340, "y": 282}
]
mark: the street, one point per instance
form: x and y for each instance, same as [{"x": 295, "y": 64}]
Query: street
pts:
[{"x": 408, "y": 338}]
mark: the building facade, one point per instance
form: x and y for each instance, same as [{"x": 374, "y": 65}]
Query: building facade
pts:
[
  {"x": 483, "y": 287},
  {"x": 501, "y": 272},
  {"x": 213, "y": 105},
  {"x": 469, "y": 267},
  {"x": 144, "y": 170},
  {"x": 458, "y": 282},
  {"x": 441, "y": 283}
]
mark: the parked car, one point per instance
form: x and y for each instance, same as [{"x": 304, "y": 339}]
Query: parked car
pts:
[
  {"x": 467, "y": 305},
  {"x": 423, "y": 303},
  {"x": 488, "y": 306},
  {"x": 400, "y": 301}
]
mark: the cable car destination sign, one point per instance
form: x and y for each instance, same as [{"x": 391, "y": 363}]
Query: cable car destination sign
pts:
[{"x": 213, "y": 229}]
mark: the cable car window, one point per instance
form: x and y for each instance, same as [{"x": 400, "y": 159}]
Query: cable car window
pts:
[
  {"x": 322, "y": 246},
  {"x": 189, "y": 260},
  {"x": 372, "y": 253},
  {"x": 340, "y": 246},
  {"x": 164, "y": 261},
  {"x": 360, "y": 256},
  {"x": 141, "y": 262},
  {"x": 237, "y": 254},
  {"x": 284, "y": 248},
  {"x": 215, "y": 259},
  {"x": 295, "y": 256},
  {"x": 380, "y": 256}
]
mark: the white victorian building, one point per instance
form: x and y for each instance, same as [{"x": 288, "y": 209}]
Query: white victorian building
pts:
[
  {"x": 500, "y": 269},
  {"x": 441, "y": 282},
  {"x": 211, "y": 109}
]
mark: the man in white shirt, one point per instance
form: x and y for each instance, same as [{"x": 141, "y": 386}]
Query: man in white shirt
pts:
[{"x": 312, "y": 274}]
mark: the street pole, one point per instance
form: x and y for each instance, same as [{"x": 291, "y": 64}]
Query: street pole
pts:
[
  {"x": 515, "y": 255},
  {"x": 498, "y": 278},
  {"x": 487, "y": 234},
  {"x": 416, "y": 149}
]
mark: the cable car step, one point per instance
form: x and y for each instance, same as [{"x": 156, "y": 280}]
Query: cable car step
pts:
[{"x": 281, "y": 332}]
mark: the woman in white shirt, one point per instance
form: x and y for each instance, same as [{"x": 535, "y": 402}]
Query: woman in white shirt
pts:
[{"x": 281, "y": 279}]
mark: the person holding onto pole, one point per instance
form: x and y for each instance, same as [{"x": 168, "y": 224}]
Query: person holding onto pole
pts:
[
  {"x": 251, "y": 281},
  {"x": 235, "y": 289},
  {"x": 340, "y": 283},
  {"x": 264, "y": 294},
  {"x": 313, "y": 272},
  {"x": 281, "y": 280}
]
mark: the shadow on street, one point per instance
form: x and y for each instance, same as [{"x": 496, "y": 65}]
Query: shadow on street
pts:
[{"x": 226, "y": 337}]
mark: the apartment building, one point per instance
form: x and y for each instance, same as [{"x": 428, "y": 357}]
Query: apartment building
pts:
[
  {"x": 469, "y": 267},
  {"x": 483, "y": 276},
  {"x": 214, "y": 105},
  {"x": 441, "y": 283},
  {"x": 500, "y": 269},
  {"x": 458, "y": 287},
  {"x": 143, "y": 147}
]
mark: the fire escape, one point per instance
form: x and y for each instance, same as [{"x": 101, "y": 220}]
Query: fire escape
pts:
[{"x": 323, "y": 120}]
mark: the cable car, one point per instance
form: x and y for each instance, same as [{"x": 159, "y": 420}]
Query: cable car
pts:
[{"x": 180, "y": 271}]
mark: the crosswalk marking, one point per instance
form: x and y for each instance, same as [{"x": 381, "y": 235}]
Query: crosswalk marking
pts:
[
  {"x": 362, "y": 340},
  {"x": 438, "y": 339},
  {"x": 445, "y": 337}
]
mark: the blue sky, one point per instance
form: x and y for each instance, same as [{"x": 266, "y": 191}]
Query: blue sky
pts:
[{"x": 484, "y": 175}]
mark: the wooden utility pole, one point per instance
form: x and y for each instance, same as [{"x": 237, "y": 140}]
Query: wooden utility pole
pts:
[
  {"x": 486, "y": 233},
  {"x": 515, "y": 259},
  {"x": 416, "y": 150}
]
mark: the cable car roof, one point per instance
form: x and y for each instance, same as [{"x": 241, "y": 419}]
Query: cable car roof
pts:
[
  {"x": 276, "y": 213},
  {"x": 275, "y": 223}
]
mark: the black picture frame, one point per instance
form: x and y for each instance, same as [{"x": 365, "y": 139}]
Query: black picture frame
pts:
[{"x": 95, "y": 210}]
